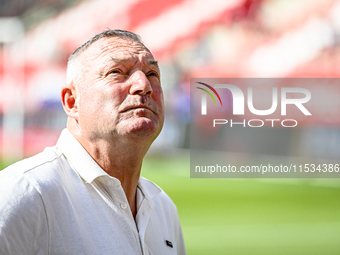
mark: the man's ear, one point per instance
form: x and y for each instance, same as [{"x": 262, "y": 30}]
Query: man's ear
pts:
[{"x": 69, "y": 101}]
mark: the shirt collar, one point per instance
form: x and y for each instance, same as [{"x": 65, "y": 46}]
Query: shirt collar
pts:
[
  {"x": 82, "y": 162},
  {"x": 148, "y": 188},
  {"x": 89, "y": 170}
]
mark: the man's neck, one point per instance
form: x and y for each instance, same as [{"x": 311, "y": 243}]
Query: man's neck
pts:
[
  {"x": 121, "y": 159},
  {"x": 121, "y": 163}
]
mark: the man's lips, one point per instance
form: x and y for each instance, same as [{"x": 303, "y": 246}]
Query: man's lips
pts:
[{"x": 137, "y": 107}]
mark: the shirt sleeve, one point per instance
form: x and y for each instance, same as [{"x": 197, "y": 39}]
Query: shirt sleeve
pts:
[{"x": 23, "y": 222}]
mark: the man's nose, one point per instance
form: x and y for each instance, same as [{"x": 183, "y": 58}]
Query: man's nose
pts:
[{"x": 140, "y": 84}]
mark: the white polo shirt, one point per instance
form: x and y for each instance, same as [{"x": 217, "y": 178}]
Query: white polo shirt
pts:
[{"x": 62, "y": 202}]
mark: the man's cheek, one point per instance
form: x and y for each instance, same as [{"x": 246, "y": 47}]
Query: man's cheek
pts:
[{"x": 158, "y": 96}]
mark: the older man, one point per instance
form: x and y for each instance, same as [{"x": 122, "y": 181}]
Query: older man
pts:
[{"x": 85, "y": 195}]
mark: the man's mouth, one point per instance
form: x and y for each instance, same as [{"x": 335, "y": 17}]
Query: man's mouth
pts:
[{"x": 138, "y": 107}]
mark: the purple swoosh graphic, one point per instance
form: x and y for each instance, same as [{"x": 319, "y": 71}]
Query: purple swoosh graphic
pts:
[{"x": 212, "y": 90}]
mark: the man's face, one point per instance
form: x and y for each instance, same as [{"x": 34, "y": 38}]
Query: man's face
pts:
[{"x": 121, "y": 92}]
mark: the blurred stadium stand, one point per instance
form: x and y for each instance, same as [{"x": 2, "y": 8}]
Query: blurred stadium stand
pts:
[{"x": 190, "y": 38}]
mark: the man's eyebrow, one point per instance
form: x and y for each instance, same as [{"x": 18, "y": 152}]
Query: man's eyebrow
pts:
[
  {"x": 122, "y": 60},
  {"x": 153, "y": 62}
]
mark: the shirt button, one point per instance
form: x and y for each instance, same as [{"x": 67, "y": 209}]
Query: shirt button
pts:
[
  {"x": 111, "y": 182},
  {"x": 123, "y": 206}
]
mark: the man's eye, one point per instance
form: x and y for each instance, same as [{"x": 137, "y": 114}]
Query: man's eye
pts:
[
  {"x": 153, "y": 74},
  {"x": 115, "y": 71}
]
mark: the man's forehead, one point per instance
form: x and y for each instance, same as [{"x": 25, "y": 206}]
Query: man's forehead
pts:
[{"x": 117, "y": 48}]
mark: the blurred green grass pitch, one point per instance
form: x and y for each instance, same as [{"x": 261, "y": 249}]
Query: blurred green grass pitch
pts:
[{"x": 250, "y": 216}]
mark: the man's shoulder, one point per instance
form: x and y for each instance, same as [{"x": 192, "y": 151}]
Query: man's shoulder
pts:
[
  {"x": 23, "y": 217},
  {"x": 37, "y": 165}
]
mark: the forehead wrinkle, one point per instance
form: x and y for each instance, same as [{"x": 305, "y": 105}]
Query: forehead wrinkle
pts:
[
  {"x": 119, "y": 51},
  {"x": 101, "y": 46},
  {"x": 118, "y": 47}
]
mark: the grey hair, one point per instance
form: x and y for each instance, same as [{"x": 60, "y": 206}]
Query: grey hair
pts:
[{"x": 73, "y": 72}]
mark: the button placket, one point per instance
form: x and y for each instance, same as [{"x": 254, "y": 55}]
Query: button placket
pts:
[
  {"x": 118, "y": 200},
  {"x": 113, "y": 189},
  {"x": 143, "y": 218}
]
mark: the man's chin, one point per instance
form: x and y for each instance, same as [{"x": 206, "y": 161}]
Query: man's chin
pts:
[{"x": 143, "y": 127}]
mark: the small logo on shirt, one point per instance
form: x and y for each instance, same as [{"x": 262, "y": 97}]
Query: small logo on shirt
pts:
[{"x": 168, "y": 243}]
